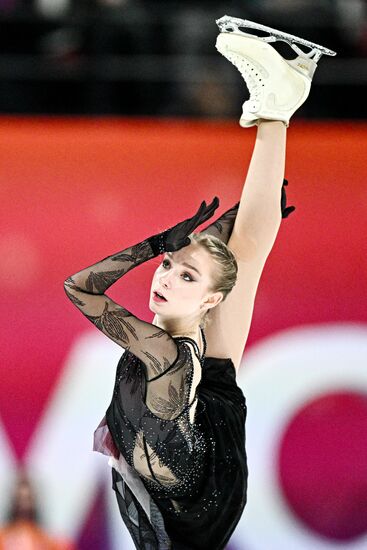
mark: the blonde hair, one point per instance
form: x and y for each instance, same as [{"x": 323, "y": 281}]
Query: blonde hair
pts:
[{"x": 225, "y": 276}]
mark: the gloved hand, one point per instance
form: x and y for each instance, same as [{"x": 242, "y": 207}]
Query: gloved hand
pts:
[
  {"x": 283, "y": 201},
  {"x": 177, "y": 237}
]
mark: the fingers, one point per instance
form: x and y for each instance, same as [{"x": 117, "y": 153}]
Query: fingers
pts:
[
  {"x": 209, "y": 211},
  {"x": 204, "y": 212},
  {"x": 202, "y": 207},
  {"x": 214, "y": 204},
  {"x": 288, "y": 211}
]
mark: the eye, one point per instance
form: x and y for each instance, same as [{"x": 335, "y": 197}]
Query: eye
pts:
[{"x": 164, "y": 264}]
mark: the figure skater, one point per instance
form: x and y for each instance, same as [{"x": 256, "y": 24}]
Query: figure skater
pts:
[{"x": 175, "y": 427}]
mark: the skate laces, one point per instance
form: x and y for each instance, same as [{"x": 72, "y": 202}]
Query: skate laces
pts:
[{"x": 249, "y": 73}]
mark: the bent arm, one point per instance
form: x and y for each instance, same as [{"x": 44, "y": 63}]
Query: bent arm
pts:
[{"x": 86, "y": 290}]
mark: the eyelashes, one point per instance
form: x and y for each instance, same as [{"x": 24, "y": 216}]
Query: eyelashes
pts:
[{"x": 187, "y": 274}]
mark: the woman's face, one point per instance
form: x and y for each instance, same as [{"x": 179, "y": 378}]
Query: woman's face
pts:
[{"x": 184, "y": 279}]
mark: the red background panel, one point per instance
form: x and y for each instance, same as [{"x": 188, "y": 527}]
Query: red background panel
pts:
[{"x": 75, "y": 191}]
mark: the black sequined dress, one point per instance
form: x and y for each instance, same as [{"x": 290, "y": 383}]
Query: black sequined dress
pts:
[
  {"x": 175, "y": 427},
  {"x": 198, "y": 506}
]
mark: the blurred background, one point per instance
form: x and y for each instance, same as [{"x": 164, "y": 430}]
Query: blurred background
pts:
[
  {"x": 117, "y": 118},
  {"x": 146, "y": 57}
]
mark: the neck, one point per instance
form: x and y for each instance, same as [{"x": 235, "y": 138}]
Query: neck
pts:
[{"x": 178, "y": 327}]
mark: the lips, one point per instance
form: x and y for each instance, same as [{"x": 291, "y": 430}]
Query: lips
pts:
[{"x": 159, "y": 295}]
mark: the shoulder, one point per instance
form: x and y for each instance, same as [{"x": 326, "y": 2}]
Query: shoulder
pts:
[{"x": 154, "y": 369}]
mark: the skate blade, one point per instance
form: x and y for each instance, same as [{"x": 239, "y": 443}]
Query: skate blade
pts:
[{"x": 228, "y": 24}]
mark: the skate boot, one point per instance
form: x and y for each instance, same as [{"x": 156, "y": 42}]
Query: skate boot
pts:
[{"x": 277, "y": 86}]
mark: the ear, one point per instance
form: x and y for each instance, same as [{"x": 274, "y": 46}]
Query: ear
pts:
[{"x": 213, "y": 300}]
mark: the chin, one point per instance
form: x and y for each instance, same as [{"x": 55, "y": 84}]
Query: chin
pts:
[{"x": 153, "y": 307}]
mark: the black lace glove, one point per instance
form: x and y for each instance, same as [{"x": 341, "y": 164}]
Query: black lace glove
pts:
[
  {"x": 177, "y": 237},
  {"x": 286, "y": 210}
]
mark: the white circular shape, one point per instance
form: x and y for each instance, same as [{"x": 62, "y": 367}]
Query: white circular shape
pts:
[{"x": 278, "y": 375}]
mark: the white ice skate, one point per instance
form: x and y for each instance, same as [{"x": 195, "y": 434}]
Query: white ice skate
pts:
[{"x": 277, "y": 86}]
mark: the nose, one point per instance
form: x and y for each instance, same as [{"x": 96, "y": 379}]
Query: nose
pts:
[{"x": 165, "y": 280}]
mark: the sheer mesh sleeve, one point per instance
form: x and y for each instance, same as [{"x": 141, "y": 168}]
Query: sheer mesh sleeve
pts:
[
  {"x": 222, "y": 227},
  {"x": 86, "y": 290}
]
